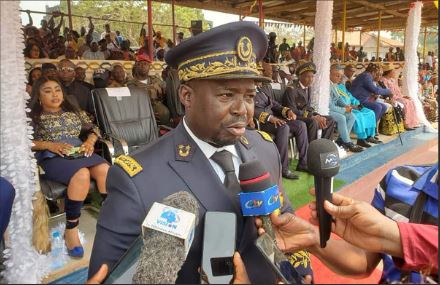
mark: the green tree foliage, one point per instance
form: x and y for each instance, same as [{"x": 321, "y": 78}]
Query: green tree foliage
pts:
[
  {"x": 135, "y": 11},
  {"x": 431, "y": 39}
]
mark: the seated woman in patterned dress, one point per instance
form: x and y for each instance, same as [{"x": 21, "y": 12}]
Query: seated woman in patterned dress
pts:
[
  {"x": 58, "y": 127},
  {"x": 428, "y": 96},
  {"x": 390, "y": 81}
]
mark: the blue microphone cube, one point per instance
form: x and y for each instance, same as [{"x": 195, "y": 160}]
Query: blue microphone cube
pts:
[{"x": 260, "y": 203}]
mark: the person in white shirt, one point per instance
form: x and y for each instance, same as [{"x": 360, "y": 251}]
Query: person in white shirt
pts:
[
  {"x": 93, "y": 52},
  {"x": 428, "y": 59}
]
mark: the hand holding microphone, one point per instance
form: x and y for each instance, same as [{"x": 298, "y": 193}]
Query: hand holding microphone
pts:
[
  {"x": 360, "y": 224},
  {"x": 323, "y": 163}
]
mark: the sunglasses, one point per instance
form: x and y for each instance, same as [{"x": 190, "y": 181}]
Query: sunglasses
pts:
[{"x": 68, "y": 69}]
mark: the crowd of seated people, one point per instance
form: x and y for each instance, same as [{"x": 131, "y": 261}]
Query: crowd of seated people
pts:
[
  {"x": 355, "y": 106},
  {"x": 49, "y": 42}
]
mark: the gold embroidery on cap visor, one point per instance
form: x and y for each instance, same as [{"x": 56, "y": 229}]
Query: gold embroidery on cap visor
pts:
[
  {"x": 217, "y": 64},
  {"x": 308, "y": 68}
]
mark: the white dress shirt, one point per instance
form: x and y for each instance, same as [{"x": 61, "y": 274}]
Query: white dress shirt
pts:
[{"x": 208, "y": 150}]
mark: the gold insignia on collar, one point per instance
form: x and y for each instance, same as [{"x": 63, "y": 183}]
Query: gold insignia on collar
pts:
[
  {"x": 184, "y": 150},
  {"x": 244, "y": 49},
  {"x": 244, "y": 140},
  {"x": 265, "y": 136},
  {"x": 131, "y": 166}
]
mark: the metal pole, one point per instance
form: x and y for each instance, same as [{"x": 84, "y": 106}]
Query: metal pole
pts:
[
  {"x": 404, "y": 39},
  {"x": 424, "y": 45},
  {"x": 304, "y": 36},
  {"x": 150, "y": 30},
  {"x": 344, "y": 18},
  {"x": 69, "y": 13},
  {"x": 360, "y": 38},
  {"x": 108, "y": 20},
  {"x": 174, "y": 22},
  {"x": 260, "y": 14},
  {"x": 378, "y": 35}
]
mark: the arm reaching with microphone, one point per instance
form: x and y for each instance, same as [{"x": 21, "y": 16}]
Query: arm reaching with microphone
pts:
[
  {"x": 360, "y": 224},
  {"x": 366, "y": 233}
]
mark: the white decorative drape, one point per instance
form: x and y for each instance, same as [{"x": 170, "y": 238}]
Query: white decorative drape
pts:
[
  {"x": 23, "y": 264},
  {"x": 410, "y": 71},
  {"x": 321, "y": 56}
]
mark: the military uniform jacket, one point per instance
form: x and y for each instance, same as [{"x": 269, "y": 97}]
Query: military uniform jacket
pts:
[
  {"x": 171, "y": 164},
  {"x": 266, "y": 105},
  {"x": 298, "y": 100}
]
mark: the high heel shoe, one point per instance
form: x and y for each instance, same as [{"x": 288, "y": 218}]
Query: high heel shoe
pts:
[{"x": 76, "y": 252}]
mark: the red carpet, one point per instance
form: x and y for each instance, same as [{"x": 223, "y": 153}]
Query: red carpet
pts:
[{"x": 323, "y": 275}]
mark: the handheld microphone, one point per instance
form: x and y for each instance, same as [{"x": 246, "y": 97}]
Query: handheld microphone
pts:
[
  {"x": 168, "y": 231},
  {"x": 259, "y": 196},
  {"x": 323, "y": 163}
]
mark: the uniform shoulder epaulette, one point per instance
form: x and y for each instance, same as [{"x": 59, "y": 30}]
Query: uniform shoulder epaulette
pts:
[
  {"x": 131, "y": 166},
  {"x": 265, "y": 136}
]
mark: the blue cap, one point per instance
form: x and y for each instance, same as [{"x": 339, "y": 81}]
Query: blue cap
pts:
[{"x": 229, "y": 51}]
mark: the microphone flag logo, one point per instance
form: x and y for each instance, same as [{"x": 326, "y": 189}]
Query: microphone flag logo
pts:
[
  {"x": 252, "y": 204},
  {"x": 329, "y": 160},
  {"x": 169, "y": 218}
]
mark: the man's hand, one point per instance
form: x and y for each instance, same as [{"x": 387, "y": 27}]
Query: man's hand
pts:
[
  {"x": 360, "y": 224},
  {"x": 291, "y": 232},
  {"x": 348, "y": 109},
  {"x": 99, "y": 276},
  {"x": 291, "y": 115},
  {"x": 240, "y": 273},
  {"x": 276, "y": 121},
  {"x": 322, "y": 121}
]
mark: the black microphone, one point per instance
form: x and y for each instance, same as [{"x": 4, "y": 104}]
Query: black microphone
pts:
[
  {"x": 164, "y": 254},
  {"x": 323, "y": 163},
  {"x": 260, "y": 195}
]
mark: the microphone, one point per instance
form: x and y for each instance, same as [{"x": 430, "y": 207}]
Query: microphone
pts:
[
  {"x": 323, "y": 163},
  {"x": 259, "y": 196},
  {"x": 168, "y": 231}
]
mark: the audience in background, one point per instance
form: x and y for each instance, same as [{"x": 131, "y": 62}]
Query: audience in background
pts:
[
  {"x": 118, "y": 77},
  {"x": 34, "y": 74}
]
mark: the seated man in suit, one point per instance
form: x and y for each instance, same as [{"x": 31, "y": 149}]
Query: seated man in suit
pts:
[
  {"x": 298, "y": 98},
  {"x": 280, "y": 121},
  {"x": 364, "y": 89},
  {"x": 201, "y": 155}
]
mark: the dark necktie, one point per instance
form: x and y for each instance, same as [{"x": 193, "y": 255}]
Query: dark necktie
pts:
[{"x": 224, "y": 159}]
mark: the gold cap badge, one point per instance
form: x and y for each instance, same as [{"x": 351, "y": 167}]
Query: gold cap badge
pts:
[{"x": 244, "y": 48}]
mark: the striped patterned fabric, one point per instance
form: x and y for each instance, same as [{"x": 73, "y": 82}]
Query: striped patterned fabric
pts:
[{"x": 395, "y": 197}]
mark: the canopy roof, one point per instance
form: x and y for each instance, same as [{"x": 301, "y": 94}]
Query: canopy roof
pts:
[{"x": 362, "y": 14}]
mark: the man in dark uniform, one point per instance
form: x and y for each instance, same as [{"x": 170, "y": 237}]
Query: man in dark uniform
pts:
[
  {"x": 218, "y": 70},
  {"x": 281, "y": 122},
  {"x": 141, "y": 78},
  {"x": 298, "y": 97}
]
